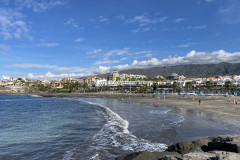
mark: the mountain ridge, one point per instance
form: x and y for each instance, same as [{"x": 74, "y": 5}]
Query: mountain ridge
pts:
[{"x": 191, "y": 70}]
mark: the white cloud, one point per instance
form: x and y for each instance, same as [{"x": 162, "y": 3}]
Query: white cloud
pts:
[
  {"x": 120, "y": 17},
  {"x": 52, "y": 76},
  {"x": 94, "y": 53},
  {"x": 106, "y": 62},
  {"x": 186, "y": 45},
  {"x": 47, "y": 44},
  {"x": 52, "y": 67},
  {"x": 144, "y": 52},
  {"x": 192, "y": 57},
  {"x": 80, "y": 39},
  {"x": 141, "y": 30},
  {"x": 103, "y": 19},
  {"x": 124, "y": 58},
  {"x": 148, "y": 56},
  {"x": 12, "y": 24},
  {"x": 144, "y": 19},
  {"x": 5, "y": 77},
  {"x": 103, "y": 70},
  {"x": 197, "y": 27},
  {"x": 179, "y": 20},
  {"x": 117, "y": 52},
  {"x": 39, "y": 5},
  {"x": 73, "y": 23}
]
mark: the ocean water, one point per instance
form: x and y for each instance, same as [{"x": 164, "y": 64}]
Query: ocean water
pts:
[{"x": 33, "y": 127}]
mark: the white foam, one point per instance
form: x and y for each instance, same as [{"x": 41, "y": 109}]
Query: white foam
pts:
[
  {"x": 95, "y": 157},
  {"x": 164, "y": 111},
  {"x": 115, "y": 133},
  {"x": 35, "y": 95}
]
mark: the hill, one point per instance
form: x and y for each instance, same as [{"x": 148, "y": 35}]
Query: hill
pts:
[{"x": 193, "y": 70}]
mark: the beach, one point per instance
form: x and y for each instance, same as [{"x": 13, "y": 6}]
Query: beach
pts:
[
  {"x": 109, "y": 125},
  {"x": 218, "y": 105}
]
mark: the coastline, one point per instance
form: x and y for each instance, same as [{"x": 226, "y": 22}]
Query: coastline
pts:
[
  {"x": 213, "y": 106},
  {"x": 219, "y": 105}
]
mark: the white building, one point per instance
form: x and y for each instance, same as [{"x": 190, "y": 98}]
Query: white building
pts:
[{"x": 100, "y": 83}]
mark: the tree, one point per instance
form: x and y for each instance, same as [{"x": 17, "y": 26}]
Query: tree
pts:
[
  {"x": 175, "y": 86},
  {"x": 85, "y": 85},
  {"x": 232, "y": 75},
  {"x": 209, "y": 85},
  {"x": 228, "y": 86},
  {"x": 143, "y": 88},
  {"x": 155, "y": 87},
  {"x": 189, "y": 85}
]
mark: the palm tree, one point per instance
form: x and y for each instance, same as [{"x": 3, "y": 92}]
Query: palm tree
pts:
[
  {"x": 209, "y": 85},
  {"x": 189, "y": 85},
  {"x": 155, "y": 87},
  {"x": 228, "y": 86},
  {"x": 175, "y": 86}
]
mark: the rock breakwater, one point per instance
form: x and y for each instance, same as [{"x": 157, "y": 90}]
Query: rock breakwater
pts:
[{"x": 211, "y": 148}]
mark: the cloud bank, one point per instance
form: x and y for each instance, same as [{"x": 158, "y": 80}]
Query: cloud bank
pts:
[{"x": 192, "y": 57}]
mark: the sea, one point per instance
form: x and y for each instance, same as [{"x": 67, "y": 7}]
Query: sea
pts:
[{"x": 36, "y": 128}]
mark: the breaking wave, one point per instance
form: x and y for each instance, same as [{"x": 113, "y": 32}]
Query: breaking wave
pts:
[{"x": 115, "y": 133}]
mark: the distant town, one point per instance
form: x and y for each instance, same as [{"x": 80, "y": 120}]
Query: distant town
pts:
[{"x": 127, "y": 83}]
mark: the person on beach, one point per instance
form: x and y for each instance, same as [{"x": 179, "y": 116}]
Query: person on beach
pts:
[
  {"x": 236, "y": 101},
  {"x": 199, "y": 102}
]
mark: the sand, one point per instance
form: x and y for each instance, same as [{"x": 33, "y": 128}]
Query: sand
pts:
[{"x": 219, "y": 105}]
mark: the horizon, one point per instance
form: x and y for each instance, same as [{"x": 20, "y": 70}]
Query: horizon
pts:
[{"x": 65, "y": 38}]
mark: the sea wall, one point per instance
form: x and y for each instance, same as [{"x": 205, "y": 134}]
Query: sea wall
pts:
[{"x": 214, "y": 148}]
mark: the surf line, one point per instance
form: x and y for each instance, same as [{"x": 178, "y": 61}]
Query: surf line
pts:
[{"x": 137, "y": 144}]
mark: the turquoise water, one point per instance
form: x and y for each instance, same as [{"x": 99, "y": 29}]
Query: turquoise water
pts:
[{"x": 33, "y": 127}]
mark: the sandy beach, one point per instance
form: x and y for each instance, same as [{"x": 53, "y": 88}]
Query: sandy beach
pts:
[{"x": 219, "y": 105}]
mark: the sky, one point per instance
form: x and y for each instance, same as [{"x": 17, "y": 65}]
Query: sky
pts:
[{"x": 53, "y": 39}]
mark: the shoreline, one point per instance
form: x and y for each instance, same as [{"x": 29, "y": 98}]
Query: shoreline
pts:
[
  {"x": 212, "y": 106},
  {"x": 215, "y": 106},
  {"x": 219, "y": 105}
]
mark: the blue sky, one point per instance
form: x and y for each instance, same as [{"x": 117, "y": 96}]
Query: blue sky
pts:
[{"x": 53, "y": 39}]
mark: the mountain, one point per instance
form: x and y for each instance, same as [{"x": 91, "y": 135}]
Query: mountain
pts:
[{"x": 193, "y": 70}]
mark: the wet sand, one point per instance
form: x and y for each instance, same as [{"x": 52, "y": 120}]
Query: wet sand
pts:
[{"x": 218, "y": 105}]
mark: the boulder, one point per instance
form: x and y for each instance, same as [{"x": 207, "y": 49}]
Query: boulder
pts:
[
  {"x": 138, "y": 156},
  {"x": 214, "y": 148}
]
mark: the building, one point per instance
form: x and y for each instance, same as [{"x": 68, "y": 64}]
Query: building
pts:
[
  {"x": 114, "y": 76},
  {"x": 67, "y": 80},
  {"x": 100, "y": 83},
  {"x": 56, "y": 84},
  {"x": 173, "y": 76},
  {"x": 159, "y": 77},
  {"x": 90, "y": 80}
]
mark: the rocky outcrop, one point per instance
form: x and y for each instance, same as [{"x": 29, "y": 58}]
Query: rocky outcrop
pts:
[{"x": 214, "y": 148}]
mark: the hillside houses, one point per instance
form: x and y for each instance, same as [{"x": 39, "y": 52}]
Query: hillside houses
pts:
[{"x": 122, "y": 81}]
